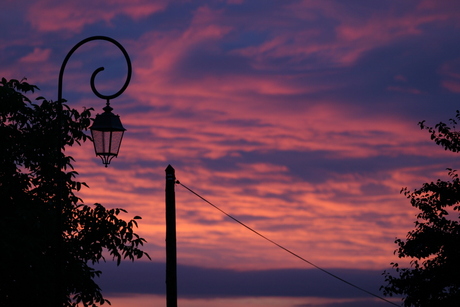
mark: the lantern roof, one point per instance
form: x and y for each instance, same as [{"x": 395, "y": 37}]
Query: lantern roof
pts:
[{"x": 107, "y": 121}]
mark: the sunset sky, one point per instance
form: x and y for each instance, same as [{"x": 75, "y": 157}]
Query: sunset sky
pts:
[{"x": 299, "y": 118}]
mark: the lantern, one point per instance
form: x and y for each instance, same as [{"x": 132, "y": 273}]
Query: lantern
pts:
[{"x": 107, "y": 132}]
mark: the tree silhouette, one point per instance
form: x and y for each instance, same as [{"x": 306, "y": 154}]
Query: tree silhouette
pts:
[
  {"x": 434, "y": 245},
  {"x": 48, "y": 237}
]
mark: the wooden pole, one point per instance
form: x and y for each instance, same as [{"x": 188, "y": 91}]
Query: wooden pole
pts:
[{"x": 171, "y": 253}]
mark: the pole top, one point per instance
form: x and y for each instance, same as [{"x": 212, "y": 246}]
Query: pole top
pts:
[{"x": 170, "y": 173}]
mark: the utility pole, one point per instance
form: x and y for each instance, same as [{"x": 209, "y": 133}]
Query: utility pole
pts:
[{"x": 171, "y": 252}]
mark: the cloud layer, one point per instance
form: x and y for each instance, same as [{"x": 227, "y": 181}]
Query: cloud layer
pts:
[{"x": 299, "y": 118}]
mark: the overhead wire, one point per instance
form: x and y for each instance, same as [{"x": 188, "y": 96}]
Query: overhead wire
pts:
[{"x": 284, "y": 248}]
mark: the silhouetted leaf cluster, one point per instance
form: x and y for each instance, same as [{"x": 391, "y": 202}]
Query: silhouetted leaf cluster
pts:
[
  {"x": 48, "y": 237},
  {"x": 433, "y": 247},
  {"x": 445, "y": 135}
]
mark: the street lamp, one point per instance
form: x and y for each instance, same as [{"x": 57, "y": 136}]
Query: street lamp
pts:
[
  {"x": 107, "y": 133},
  {"x": 107, "y": 130}
]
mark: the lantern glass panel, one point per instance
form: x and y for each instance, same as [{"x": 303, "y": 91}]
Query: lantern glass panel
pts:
[
  {"x": 107, "y": 142},
  {"x": 115, "y": 142}
]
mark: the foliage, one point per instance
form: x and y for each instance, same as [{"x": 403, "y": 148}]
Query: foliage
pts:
[
  {"x": 434, "y": 245},
  {"x": 48, "y": 237},
  {"x": 444, "y": 134}
]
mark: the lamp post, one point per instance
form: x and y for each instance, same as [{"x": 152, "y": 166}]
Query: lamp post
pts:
[{"x": 107, "y": 130}]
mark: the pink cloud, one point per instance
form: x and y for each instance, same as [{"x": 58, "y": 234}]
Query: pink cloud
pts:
[
  {"x": 53, "y": 15},
  {"x": 38, "y": 55},
  {"x": 262, "y": 109},
  {"x": 352, "y": 37},
  {"x": 311, "y": 208},
  {"x": 161, "y": 51},
  {"x": 205, "y": 234},
  {"x": 451, "y": 85},
  {"x": 400, "y": 78},
  {"x": 450, "y": 73}
]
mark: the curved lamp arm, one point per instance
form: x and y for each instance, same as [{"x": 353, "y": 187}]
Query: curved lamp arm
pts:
[
  {"x": 107, "y": 130},
  {"x": 93, "y": 76}
]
